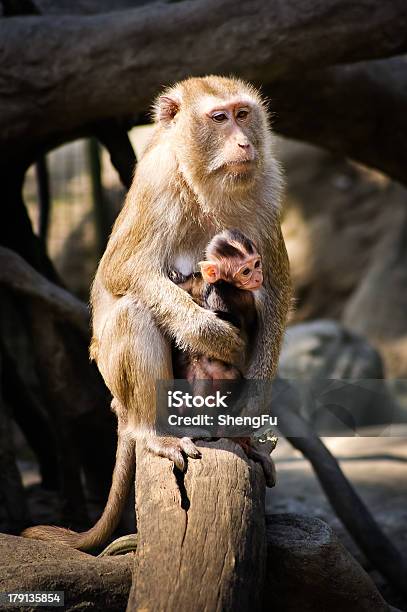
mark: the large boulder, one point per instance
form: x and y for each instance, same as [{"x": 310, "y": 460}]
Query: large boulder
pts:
[
  {"x": 338, "y": 377},
  {"x": 324, "y": 348},
  {"x": 345, "y": 229}
]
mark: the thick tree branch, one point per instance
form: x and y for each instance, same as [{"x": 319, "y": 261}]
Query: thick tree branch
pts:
[
  {"x": 86, "y": 7},
  {"x": 44, "y": 196},
  {"x": 19, "y": 276},
  {"x": 19, "y": 7},
  {"x": 80, "y": 69},
  {"x": 358, "y": 111}
]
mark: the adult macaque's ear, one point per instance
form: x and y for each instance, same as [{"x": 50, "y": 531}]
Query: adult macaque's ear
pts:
[
  {"x": 209, "y": 271},
  {"x": 166, "y": 108}
]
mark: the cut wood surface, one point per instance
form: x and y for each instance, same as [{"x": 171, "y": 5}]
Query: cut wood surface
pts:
[{"x": 202, "y": 544}]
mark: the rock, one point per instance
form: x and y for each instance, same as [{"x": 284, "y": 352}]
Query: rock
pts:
[
  {"x": 345, "y": 228},
  {"x": 378, "y": 307},
  {"x": 89, "y": 583},
  {"x": 325, "y": 348},
  {"x": 308, "y": 569},
  {"x": 322, "y": 351},
  {"x": 340, "y": 221}
]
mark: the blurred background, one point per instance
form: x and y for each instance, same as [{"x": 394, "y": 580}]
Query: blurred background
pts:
[{"x": 338, "y": 107}]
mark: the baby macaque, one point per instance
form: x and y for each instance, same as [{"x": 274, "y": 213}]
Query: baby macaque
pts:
[{"x": 230, "y": 273}]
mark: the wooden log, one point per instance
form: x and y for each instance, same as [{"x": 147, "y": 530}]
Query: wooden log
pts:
[
  {"x": 309, "y": 569},
  {"x": 202, "y": 542},
  {"x": 88, "y": 584},
  {"x": 349, "y": 507},
  {"x": 134, "y": 51}
]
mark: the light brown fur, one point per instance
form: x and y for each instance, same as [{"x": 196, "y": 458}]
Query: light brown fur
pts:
[{"x": 181, "y": 196}]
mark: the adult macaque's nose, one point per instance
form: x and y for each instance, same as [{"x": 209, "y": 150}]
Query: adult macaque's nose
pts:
[{"x": 247, "y": 148}]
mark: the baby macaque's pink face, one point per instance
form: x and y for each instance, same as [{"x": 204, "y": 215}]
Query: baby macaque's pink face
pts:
[
  {"x": 242, "y": 272},
  {"x": 249, "y": 275}
]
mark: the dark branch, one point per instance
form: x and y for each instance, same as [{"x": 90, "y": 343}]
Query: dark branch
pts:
[
  {"x": 19, "y": 7},
  {"x": 44, "y": 197},
  {"x": 86, "y": 7},
  {"x": 114, "y": 137},
  {"x": 358, "y": 111},
  {"x": 16, "y": 232},
  {"x": 19, "y": 276},
  {"x": 116, "y": 51}
]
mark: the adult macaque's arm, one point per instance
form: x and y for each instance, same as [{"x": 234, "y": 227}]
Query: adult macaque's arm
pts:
[{"x": 193, "y": 328}]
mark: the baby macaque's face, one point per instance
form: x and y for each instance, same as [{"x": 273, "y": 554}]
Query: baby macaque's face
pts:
[
  {"x": 249, "y": 274},
  {"x": 232, "y": 257},
  {"x": 243, "y": 272}
]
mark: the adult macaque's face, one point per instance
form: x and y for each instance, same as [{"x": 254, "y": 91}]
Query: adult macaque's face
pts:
[
  {"x": 220, "y": 136},
  {"x": 232, "y": 128}
]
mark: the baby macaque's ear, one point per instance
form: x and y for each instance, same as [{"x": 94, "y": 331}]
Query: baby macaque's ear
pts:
[{"x": 210, "y": 271}]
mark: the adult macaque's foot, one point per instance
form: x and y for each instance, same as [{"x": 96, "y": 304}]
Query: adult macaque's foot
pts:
[
  {"x": 173, "y": 449},
  {"x": 254, "y": 451}
]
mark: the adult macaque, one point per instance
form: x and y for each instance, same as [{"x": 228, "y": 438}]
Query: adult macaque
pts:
[{"x": 209, "y": 166}]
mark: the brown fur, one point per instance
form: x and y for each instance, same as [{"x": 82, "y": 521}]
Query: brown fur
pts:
[{"x": 187, "y": 187}]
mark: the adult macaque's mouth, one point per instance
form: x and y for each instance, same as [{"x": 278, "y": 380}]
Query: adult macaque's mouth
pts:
[
  {"x": 239, "y": 166},
  {"x": 240, "y": 162}
]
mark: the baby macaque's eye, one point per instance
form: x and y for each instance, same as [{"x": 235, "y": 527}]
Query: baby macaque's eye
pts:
[
  {"x": 219, "y": 117},
  {"x": 257, "y": 264},
  {"x": 246, "y": 271}
]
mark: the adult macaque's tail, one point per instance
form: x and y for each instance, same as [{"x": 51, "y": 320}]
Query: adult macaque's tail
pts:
[{"x": 96, "y": 536}]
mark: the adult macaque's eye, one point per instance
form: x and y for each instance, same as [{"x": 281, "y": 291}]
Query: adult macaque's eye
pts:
[
  {"x": 257, "y": 264},
  {"x": 219, "y": 117},
  {"x": 246, "y": 271},
  {"x": 242, "y": 113}
]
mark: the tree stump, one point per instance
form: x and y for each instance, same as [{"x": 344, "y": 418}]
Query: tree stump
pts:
[{"x": 201, "y": 535}]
